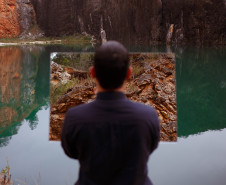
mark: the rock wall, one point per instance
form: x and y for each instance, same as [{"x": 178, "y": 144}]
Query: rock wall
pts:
[
  {"x": 27, "y": 17},
  {"x": 140, "y": 22},
  {"x": 136, "y": 22},
  {"x": 131, "y": 21},
  {"x": 195, "y": 22},
  {"x": 9, "y": 21},
  {"x": 16, "y": 16}
]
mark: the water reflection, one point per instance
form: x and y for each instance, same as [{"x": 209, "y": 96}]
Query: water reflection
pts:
[
  {"x": 24, "y": 85},
  {"x": 23, "y": 88},
  {"x": 201, "y": 94},
  {"x": 201, "y": 87},
  {"x": 195, "y": 160}
]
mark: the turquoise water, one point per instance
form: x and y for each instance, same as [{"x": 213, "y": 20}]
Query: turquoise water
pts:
[
  {"x": 201, "y": 90},
  {"x": 197, "y": 158}
]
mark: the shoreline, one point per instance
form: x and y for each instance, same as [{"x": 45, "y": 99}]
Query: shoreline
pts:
[
  {"x": 31, "y": 43},
  {"x": 73, "y": 39}
]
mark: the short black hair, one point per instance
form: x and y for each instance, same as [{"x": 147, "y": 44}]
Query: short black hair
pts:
[{"x": 111, "y": 62}]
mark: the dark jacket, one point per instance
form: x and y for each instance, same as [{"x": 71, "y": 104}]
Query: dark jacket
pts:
[{"x": 112, "y": 137}]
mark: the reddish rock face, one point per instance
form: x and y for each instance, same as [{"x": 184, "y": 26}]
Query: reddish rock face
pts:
[
  {"x": 9, "y": 21},
  {"x": 16, "y": 16}
]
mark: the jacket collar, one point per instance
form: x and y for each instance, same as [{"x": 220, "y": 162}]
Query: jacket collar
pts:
[{"x": 113, "y": 95}]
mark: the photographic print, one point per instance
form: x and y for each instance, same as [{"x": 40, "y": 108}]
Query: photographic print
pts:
[{"x": 152, "y": 83}]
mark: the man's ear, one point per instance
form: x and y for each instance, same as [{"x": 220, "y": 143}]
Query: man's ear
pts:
[
  {"x": 129, "y": 73},
  {"x": 92, "y": 72}
]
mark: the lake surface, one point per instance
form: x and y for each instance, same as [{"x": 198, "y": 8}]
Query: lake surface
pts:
[{"x": 197, "y": 158}]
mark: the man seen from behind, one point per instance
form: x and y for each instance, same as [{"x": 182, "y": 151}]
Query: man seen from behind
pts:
[{"x": 112, "y": 137}]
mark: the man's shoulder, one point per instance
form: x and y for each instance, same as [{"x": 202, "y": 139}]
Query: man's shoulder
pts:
[
  {"x": 143, "y": 110},
  {"x": 121, "y": 109},
  {"x": 80, "y": 109}
]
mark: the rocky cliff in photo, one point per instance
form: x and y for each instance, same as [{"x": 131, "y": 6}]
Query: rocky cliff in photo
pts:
[{"x": 152, "y": 83}]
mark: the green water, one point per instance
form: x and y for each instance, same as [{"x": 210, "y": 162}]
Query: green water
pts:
[
  {"x": 33, "y": 92},
  {"x": 197, "y": 158},
  {"x": 201, "y": 90}
]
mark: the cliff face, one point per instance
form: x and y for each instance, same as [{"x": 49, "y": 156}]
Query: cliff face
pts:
[
  {"x": 141, "y": 22},
  {"x": 197, "y": 22},
  {"x": 131, "y": 21},
  {"x": 15, "y": 17},
  {"x": 138, "y": 21},
  {"x": 9, "y": 21}
]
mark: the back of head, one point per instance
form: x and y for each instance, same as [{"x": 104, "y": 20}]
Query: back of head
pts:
[{"x": 111, "y": 62}]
